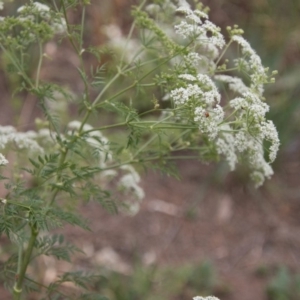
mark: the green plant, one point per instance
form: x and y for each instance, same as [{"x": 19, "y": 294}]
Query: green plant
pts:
[
  {"x": 156, "y": 282},
  {"x": 180, "y": 69},
  {"x": 284, "y": 285},
  {"x": 279, "y": 288},
  {"x": 188, "y": 280}
]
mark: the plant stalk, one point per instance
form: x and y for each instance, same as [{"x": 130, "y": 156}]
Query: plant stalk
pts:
[{"x": 17, "y": 291}]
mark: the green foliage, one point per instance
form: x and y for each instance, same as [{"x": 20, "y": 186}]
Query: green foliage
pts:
[
  {"x": 173, "y": 71},
  {"x": 54, "y": 245},
  {"x": 284, "y": 285},
  {"x": 153, "y": 282},
  {"x": 81, "y": 280}
]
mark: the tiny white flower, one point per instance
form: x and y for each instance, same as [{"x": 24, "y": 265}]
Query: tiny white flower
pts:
[
  {"x": 130, "y": 184},
  {"x": 235, "y": 84},
  {"x": 226, "y": 146},
  {"x": 41, "y": 7},
  {"x": 270, "y": 133},
  {"x": 186, "y": 30},
  {"x": 7, "y": 130},
  {"x": 37, "y": 5},
  {"x": 187, "y": 77},
  {"x": 192, "y": 59},
  {"x": 109, "y": 173},
  {"x": 209, "y": 120},
  {"x": 216, "y": 39},
  {"x": 183, "y": 4},
  {"x": 60, "y": 26},
  {"x": 3, "y": 201},
  {"x": 252, "y": 63},
  {"x": 201, "y": 14},
  {"x": 206, "y": 298},
  {"x": 180, "y": 95},
  {"x": 74, "y": 125},
  {"x": 132, "y": 171},
  {"x": 21, "y": 8},
  {"x": 3, "y": 160}
]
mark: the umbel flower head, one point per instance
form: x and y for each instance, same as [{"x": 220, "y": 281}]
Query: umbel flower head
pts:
[
  {"x": 206, "y": 298},
  {"x": 236, "y": 128}
]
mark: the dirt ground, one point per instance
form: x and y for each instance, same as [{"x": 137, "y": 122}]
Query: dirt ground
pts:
[{"x": 239, "y": 229}]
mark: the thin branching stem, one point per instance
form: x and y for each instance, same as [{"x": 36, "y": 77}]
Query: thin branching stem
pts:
[
  {"x": 37, "y": 80},
  {"x": 17, "y": 290}
]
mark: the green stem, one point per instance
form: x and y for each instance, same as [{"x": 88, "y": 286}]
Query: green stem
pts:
[
  {"x": 224, "y": 51},
  {"x": 39, "y": 65},
  {"x": 61, "y": 161},
  {"x": 18, "y": 204},
  {"x": 79, "y": 50},
  {"x": 145, "y": 145},
  {"x": 163, "y": 120},
  {"x": 105, "y": 127},
  {"x": 147, "y": 84},
  {"x": 106, "y": 88},
  {"x": 122, "y": 91},
  {"x": 85, "y": 118},
  {"x": 131, "y": 32},
  {"x": 46, "y": 287},
  {"x": 20, "y": 257},
  {"x": 82, "y": 25},
  {"x": 150, "y": 61},
  {"x": 64, "y": 153},
  {"x": 17, "y": 290},
  {"x": 227, "y": 70},
  {"x": 129, "y": 87},
  {"x": 157, "y": 125}
]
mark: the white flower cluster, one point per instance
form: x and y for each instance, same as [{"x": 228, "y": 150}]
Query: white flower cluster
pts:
[
  {"x": 251, "y": 63},
  {"x": 57, "y": 23},
  {"x": 193, "y": 59},
  {"x": 42, "y": 8},
  {"x": 209, "y": 120},
  {"x": 200, "y": 31},
  {"x": 206, "y": 298},
  {"x": 235, "y": 84},
  {"x": 129, "y": 183},
  {"x": 204, "y": 96},
  {"x": 246, "y": 137},
  {"x": 243, "y": 137},
  {"x": 3, "y": 160},
  {"x": 251, "y": 112},
  {"x": 19, "y": 140}
]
